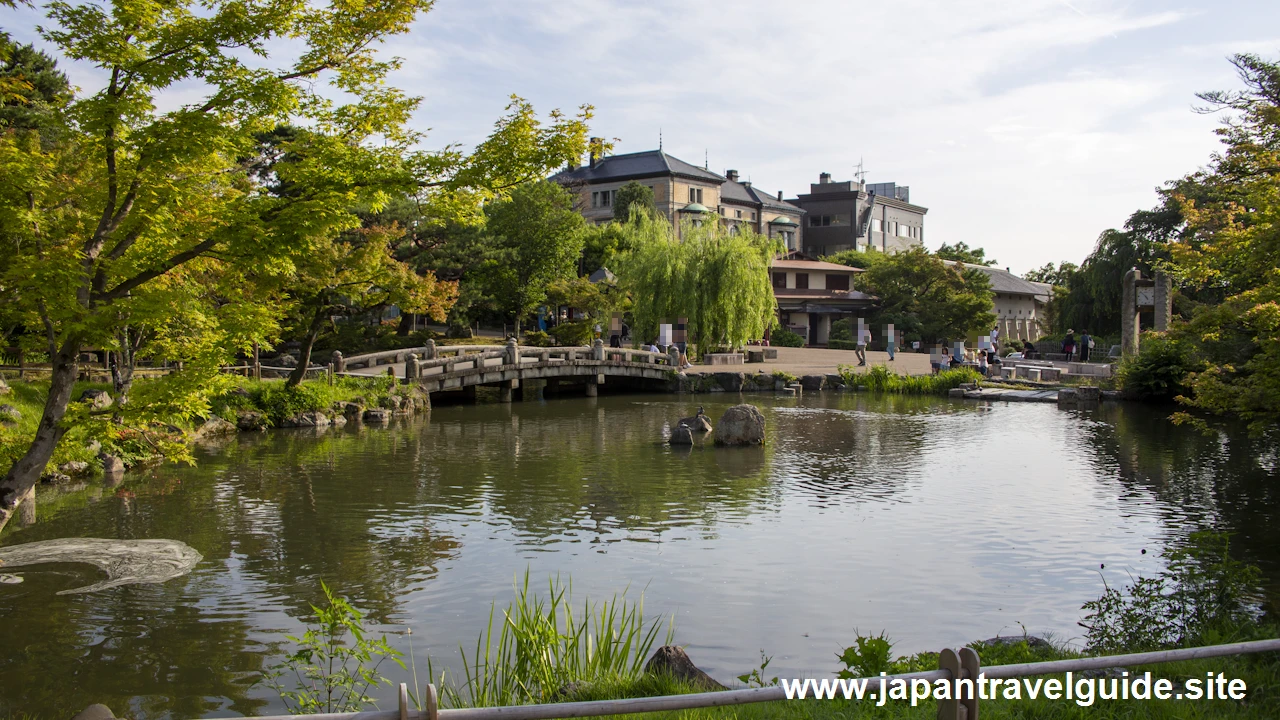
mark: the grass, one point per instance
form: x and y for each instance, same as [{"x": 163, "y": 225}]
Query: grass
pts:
[
  {"x": 29, "y": 398},
  {"x": 276, "y": 401},
  {"x": 879, "y": 378}
]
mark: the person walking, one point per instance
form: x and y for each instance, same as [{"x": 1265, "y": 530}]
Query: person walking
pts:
[
  {"x": 860, "y": 349},
  {"x": 1086, "y": 344},
  {"x": 995, "y": 338},
  {"x": 1069, "y": 344}
]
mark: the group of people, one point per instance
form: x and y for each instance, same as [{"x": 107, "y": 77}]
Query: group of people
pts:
[{"x": 1073, "y": 348}]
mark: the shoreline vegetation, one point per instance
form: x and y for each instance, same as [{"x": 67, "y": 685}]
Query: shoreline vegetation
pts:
[{"x": 544, "y": 652}]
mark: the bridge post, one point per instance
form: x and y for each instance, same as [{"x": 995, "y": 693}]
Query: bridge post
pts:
[
  {"x": 430, "y": 350},
  {"x": 411, "y": 370},
  {"x": 673, "y": 356},
  {"x": 592, "y": 388},
  {"x": 339, "y": 364},
  {"x": 511, "y": 353},
  {"x": 506, "y": 391},
  {"x": 597, "y": 350}
]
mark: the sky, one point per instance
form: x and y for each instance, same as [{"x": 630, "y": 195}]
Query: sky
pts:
[{"x": 1026, "y": 127}]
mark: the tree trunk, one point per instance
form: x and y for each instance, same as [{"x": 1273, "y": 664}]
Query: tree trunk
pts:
[
  {"x": 304, "y": 354},
  {"x": 406, "y": 324},
  {"x": 123, "y": 367},
  {"x": 26, "y": 472}
]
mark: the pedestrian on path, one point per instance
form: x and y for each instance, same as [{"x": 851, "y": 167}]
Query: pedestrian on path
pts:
[
  {"x": 860, "y": 349},
  {"x": 1086, "y": 344}
]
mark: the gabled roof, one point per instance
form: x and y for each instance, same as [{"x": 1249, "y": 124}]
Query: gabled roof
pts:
[
  {"x": 814, "y": 266},
  {"x": 650, "y": 163},
  {"x": 1003, "y": 281}
]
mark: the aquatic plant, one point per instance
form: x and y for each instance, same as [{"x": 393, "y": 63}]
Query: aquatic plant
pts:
[
  {"x": 541, "y": 650},
  {"x": 335, "y": 665}
]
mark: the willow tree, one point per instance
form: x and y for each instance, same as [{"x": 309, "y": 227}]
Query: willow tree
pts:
[{"x": 719, "y": 281}]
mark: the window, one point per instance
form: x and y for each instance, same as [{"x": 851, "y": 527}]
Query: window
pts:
[
  {"x": 603, "y": 198},
  {"x": 837, "y": 282},
  {"x": 695, "y": 195},
  {"x": 802, "y": 281},
  {"x": 875, "y": 224},
  {"x": 904, "y": 231},
  {"x": 595, "y": 199},
  {"x": 780, "y": 280},
  {"x": 819, "y": 220},
  {"x": 753, "y": 216},
  {"x": 737, "y": 213}
]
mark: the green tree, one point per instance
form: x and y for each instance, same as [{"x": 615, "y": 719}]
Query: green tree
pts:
[
  {"x": 536, "y": 237},
  {"x": 32, "y": 89},
  {"x": 720, "y": 282},
  {"x": 1060, "y": 275},
  {"x": 133, "y": 196},
  {"x": 926, "y": 298},
  {"x": 1231, "y": 250},
  {"x": 862, "y": 259},
  {"x": 961, "y": 252},
  {"x": 633, "y": 194}
]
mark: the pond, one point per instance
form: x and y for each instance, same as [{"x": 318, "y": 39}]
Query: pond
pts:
[{"x": 938, "y": 522}]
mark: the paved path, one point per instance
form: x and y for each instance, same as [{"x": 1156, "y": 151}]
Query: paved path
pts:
[{"x": 820, "y": 361}]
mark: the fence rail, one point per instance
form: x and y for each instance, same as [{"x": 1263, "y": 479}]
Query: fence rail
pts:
[{"x": 967, "y": 667}]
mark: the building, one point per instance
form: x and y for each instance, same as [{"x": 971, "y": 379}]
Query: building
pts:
[
  {"x": 1019, "y": 304},
  {"x": 856, "y": 216},
  {"x": 682, "y": 191},
  {"x": 812, "y": 294}
]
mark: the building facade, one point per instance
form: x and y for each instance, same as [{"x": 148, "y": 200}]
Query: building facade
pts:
[
  {"x": 856, "y": 216},
  {"x": 682, "y": 191},
  {"x": 812, "y": 294},
  {"x": 1018, "y": 304}
]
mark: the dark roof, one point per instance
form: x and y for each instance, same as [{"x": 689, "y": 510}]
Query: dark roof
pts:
[
  {"x": 1003, "y": 281},
  {"x": 650, "y": 163},
  {"x": 732, "y": 191}
]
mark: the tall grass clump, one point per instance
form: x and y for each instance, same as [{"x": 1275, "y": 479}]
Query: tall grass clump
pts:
[
  {"x": 541, "y": 646},
  {"x": 880, "y": 379}
]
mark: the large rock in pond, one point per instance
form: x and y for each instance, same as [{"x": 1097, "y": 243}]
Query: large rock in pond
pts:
[
  {"x": 111, "y": 465},
  {"x": 307, "y": 419},
  {"x": 377, "y": 415},
  {"x": 681, "y": 435},
  {"x": 673, "y": 661},
  {"x": 740, "y": 425},
  {"x": 813, "y": 383},
  {"x": 211, "y": 428},
  {"x": 251, "y": 421}
]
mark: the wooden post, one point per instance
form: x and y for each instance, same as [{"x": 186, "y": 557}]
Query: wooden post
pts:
[
  {"x": 404, "y": 701},
  {"x": 257, "y": 363},
  {"x": 430, "y": 703},
  {"x": 962, "y": 665},
  {"x": 22, "y": 363},
  {"x": 328, "y": 374},
  {"x": 950, "y": 709},
  {"x": 972, "y": 668}
]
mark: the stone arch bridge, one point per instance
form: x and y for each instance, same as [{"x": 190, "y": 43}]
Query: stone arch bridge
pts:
[{"x": 462, "y": 368}]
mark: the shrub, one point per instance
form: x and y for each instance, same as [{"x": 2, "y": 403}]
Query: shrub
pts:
[
  {"x": 879, "y": 378},
  {"x": 783, "y": 337},
  {"x": 841, "y": 329},
  {"x": 841, "y": 344},
  {"x": 1158, "y": 371},
  {"x": 1202, "y": 596},
  {"x": 537, "y": 338},
  {"x": 576, "y": 332}
]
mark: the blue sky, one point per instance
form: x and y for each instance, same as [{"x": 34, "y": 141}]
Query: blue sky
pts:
[{"x": 1025, "y": 126}]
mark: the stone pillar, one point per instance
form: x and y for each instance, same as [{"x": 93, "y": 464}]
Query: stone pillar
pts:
[
  {"x": 431, "y": 350},
  {"x": 511, "y": 353},
  {"x": 592, "y": 389},
  {"x": 339, "y": 364},
  {"x": 1164, "y": 301},
  {"x": 1129, "y": 313},
  {"x": 504, "y": 393},
  {"x": 597, "y": 350},
  {"x": 411, "y": 370},
  {"x": 673, "y": 354}
]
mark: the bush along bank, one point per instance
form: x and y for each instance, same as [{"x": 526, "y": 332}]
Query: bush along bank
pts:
[
  {"x": 876, "y": 379},
  {"x": 97, "y": 441}
]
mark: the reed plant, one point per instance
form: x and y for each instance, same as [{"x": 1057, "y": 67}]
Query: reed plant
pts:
[
  {"x": 540, "y": 650},
  {"x": 879, "y": 378}
]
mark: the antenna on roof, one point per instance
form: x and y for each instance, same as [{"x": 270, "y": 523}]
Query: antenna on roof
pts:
[
  {"x": 659, "y": 139},
  {"x": 706, "y": 164},
  {"x": 860, "y": 173}
]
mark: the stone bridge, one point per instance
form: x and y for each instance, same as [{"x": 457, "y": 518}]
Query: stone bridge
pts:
[{"x": 452, "y": 368}]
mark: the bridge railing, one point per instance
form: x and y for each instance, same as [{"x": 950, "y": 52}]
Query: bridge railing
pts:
[
  {"x": 432, "y": 356},
  {"x": 953, "y": 666}
]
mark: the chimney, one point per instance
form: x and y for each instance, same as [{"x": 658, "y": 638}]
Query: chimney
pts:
[
  {"x": 746, "y": 183},
  {"x": 594, "y": 144},
  {"x": 779, "y": 196},
  {"x": 731, "y": 175},
  {"x": 824, "y": 178}
]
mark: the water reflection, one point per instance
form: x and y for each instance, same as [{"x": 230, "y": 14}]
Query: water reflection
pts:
[{"x": 860, "y": 512}]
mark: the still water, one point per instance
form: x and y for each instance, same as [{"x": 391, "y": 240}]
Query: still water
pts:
[{"x": 937, "y": 522}]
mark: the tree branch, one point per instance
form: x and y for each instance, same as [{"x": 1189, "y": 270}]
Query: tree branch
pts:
[{"x": 125, "y": 287}]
